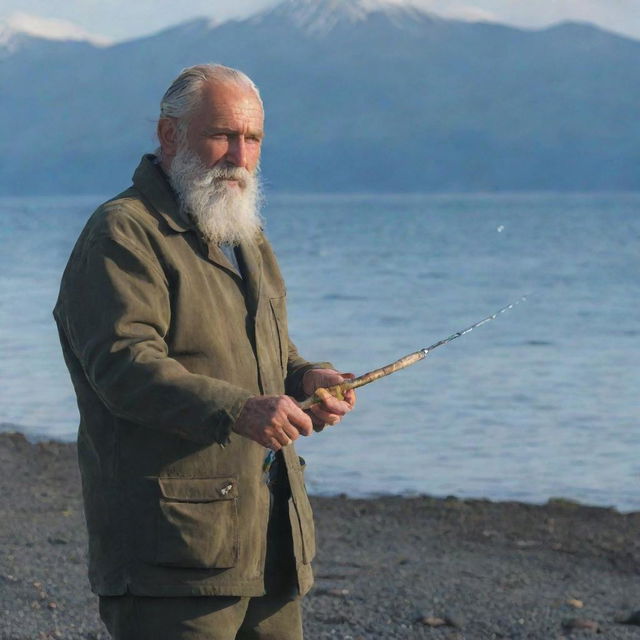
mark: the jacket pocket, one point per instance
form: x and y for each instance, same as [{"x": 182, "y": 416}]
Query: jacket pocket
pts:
[
  {"x": 301, "y": 516},
  {"x": 198, "y": 523},
  {"x": 279, "y": 312}
]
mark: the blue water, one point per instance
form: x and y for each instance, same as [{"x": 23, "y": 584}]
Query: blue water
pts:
[{"x": 541, "y": 402}]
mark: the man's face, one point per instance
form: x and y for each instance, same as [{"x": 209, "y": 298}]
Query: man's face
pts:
[
  {"x": 227, "y": 128},
  {"x": 212, "y": 164}
]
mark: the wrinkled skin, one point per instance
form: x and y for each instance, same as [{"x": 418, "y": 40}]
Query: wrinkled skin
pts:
[{"x": 276, "y": 421}]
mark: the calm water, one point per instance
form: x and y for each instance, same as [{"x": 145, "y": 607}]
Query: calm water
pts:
[{"x": 542, "y": 402}]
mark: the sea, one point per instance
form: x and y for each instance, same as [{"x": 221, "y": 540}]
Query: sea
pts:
[{"x": 542, "y": 402}]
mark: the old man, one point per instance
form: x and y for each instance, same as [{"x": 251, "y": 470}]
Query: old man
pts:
[{"x": 173, "y": 324}]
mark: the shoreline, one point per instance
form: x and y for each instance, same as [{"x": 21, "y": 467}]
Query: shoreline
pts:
[
  {"x": 387, "y": 566},
  {"x": 34, "y": 437}
]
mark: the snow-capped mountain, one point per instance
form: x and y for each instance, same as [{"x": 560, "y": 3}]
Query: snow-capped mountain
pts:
[
  {"x": 21, "y": 27},
  {"x": 361, "y": 95},
  {"x": 319, "y": 17}
]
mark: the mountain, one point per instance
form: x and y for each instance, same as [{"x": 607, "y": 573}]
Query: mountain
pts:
[
  {"x": 361, "y": 95},
  {"x": 320, "y": 17},
  {"x": 21, "y": 28}
]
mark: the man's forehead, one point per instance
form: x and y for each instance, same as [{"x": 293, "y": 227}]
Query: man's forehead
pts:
[{"x": 228, "y": 98}]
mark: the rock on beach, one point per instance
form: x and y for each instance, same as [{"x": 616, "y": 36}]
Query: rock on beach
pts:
[{"x": 387, "y": 568}]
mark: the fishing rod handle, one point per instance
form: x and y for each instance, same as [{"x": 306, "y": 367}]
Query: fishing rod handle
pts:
[{"x": 337, "y": 391}]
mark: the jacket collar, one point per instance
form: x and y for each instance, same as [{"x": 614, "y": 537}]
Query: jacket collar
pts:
[
  {"x": 252, "y": 271},
  {"x": 152, "y": 183}
]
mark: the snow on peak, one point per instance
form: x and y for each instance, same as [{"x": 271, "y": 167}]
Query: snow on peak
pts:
[
  {"x": 471, "y": 14},
  {"x": 321, "y": 16},
  {"x": 22, "y": 24}
]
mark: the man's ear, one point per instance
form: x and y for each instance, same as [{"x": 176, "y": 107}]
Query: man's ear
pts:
[{"x": 168, "y": 137}]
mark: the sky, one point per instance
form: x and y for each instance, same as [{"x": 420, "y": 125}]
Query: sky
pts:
[{"x": 124, "y": 19}]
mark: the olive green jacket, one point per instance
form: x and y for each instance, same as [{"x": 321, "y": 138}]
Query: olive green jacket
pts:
[{"x": 165, "y": 343}]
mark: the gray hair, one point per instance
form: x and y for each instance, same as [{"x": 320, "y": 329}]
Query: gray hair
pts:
[{"x": 181, "y": 98}]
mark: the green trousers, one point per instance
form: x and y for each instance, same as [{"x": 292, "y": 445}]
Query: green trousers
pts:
[{"x": 202, "y": 618}]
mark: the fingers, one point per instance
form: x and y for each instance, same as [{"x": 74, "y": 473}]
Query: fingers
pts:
[
  {"x": 272, "y": 444},
  {"x": 275, "y": 443},
  {"x": 277, "y": 421},
  {"x": 288, "y": 427},
  {"x": 292, "y": 433},
  {"x": 299, "y": 420},
  {"x": 331, "y": 410},
  {"x": 324, "y": 378},
  {"x": 322, "y": 416},
  {"x": 349, "y": 395},
  {"x": 315, "y": 378},
  {"x": 273, "y": 421},
  {"x": 318, "y": 423},
  {"x": 350, "y": 398},
  {"x": 332, "y": 405}
]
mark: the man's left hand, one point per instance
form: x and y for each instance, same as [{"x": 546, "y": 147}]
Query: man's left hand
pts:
[{"x": 331, "y": 410}]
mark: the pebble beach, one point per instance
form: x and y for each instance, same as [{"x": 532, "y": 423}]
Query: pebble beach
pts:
[{"x": 389, "y": 567}]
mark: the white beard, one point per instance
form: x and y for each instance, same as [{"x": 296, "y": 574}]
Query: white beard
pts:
[{"x": 224, "y": 213}]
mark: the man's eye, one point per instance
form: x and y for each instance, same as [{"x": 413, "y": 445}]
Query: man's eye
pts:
[{"x": 219, "y": 136}]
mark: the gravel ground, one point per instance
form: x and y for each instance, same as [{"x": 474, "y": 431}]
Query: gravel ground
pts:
[{"x": 387, "y": 567}]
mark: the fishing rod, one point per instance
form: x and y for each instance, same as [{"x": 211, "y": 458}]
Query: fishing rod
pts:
[{"x": 338, "y": 390}]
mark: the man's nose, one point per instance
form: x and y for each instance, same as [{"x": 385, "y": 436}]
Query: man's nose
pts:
[{"x": 237, "y": 152}]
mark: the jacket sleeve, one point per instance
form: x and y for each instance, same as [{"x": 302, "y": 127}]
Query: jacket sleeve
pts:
[
  {"x": 114, "y": 310},
  {"x": 297, "y": 366}
]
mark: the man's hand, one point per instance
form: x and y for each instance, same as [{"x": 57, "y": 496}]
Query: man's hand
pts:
[
  {"x": 273, "y": 421},
  {"x": 330, "y": 410}
]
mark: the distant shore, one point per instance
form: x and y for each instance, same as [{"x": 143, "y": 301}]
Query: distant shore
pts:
[{"x": 386, "y": 568}]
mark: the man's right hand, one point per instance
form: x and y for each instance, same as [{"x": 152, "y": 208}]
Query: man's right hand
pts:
[{"x": 273, "y": 421}]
